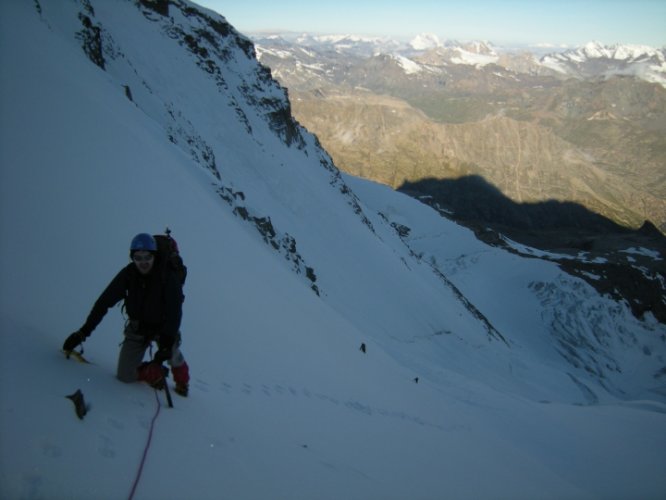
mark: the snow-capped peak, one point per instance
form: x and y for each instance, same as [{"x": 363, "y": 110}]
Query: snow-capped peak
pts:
[
  {"x": 619, "y": 52},
  {"x": 425, "y": 41},
  {"x": 624, "y": 52},
  {"x": 641, "y": 61},
  {"x": 479, "y": 47}
]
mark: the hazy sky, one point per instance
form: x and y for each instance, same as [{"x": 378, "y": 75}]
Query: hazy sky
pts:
[{"x": 558, "y": 22}]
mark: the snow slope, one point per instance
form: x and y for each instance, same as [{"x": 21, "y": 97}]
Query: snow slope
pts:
[{"x": 283, "y": 403}]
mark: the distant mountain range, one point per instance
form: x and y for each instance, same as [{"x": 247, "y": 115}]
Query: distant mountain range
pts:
[
  {"x": 426, "y": 51},
  {"x": 597, "y": 60},
  {"x": 585, "y": 125}
]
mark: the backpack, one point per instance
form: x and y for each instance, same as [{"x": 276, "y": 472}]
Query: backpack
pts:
[{"x": 169, "y": 256}]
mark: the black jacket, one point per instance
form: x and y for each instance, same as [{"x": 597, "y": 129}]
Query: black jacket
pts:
[{"x": 154, "y": 300}]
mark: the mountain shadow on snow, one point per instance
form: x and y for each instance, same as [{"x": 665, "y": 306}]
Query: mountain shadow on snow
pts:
[
  {"x": 565, "y": 227},
  {"x": 473, "y": 199}
]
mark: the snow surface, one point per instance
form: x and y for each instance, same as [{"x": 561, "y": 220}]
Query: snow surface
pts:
[{"x": 283, "y": 403}]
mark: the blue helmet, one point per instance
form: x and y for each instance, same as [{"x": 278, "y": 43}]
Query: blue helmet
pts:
[{"x": 143, "y": 241}]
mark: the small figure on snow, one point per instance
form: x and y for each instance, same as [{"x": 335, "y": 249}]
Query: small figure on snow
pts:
[{"x": 153, "y": 299}]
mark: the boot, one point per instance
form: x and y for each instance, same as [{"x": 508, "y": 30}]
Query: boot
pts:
[
  {"x": 153, "y": 374},
  {"x": 182, "y": 389},
  {"x": 181, "y": 376}
]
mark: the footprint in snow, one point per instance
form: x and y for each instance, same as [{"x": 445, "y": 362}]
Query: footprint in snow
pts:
[
  {"x": 106, "y": 449},
  {"x": 51, "y": 450},
  {"x": 201, "y": 385}
]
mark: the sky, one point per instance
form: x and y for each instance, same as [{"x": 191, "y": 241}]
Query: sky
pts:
[{"x": 558, "y": 23}]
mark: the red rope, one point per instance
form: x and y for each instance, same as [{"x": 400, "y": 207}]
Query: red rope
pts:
[{"x": 145, "y": 450}]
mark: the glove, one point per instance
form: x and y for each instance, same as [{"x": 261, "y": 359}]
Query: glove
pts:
[
  {"x": 163, "y": 354},
  {"x": 72, "y": 341}
]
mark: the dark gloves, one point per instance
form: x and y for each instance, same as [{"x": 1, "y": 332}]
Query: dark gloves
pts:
[
  {"x": 164, "y": 353},
  {"x": 73, "y": 341}
]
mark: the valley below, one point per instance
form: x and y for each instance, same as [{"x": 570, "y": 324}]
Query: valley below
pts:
[
  {"x": 533, "y": 134},
  {"x": 573, "y": 163}
]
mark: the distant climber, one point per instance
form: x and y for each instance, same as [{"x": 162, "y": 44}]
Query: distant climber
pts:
[{"x": 153, "y": 298}]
